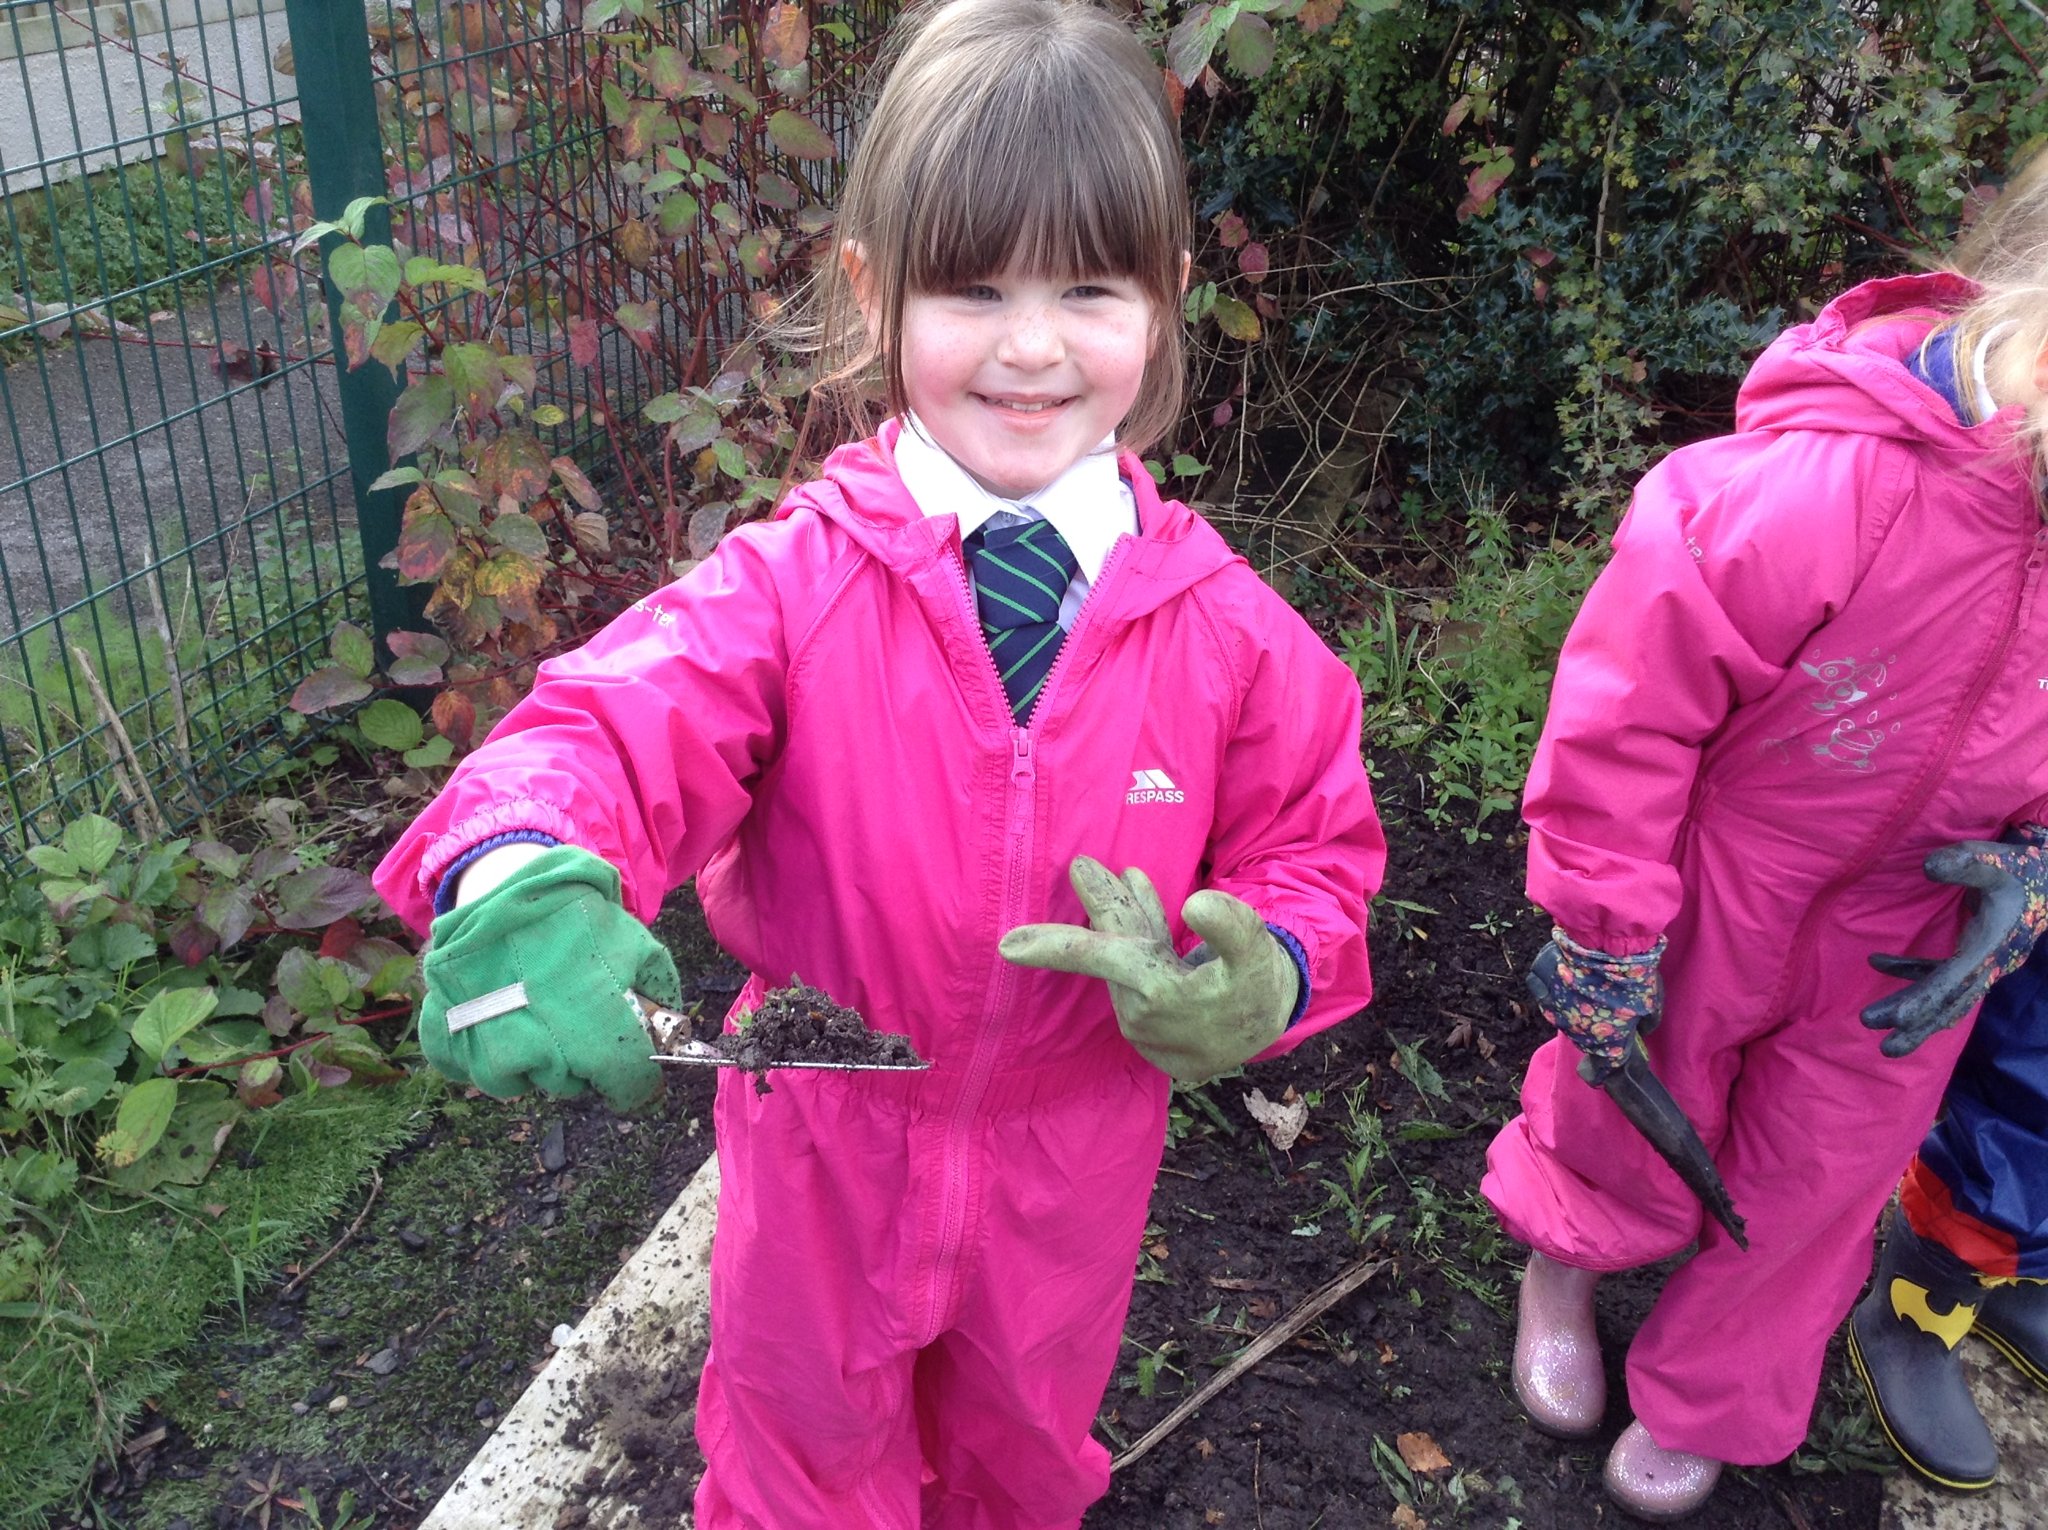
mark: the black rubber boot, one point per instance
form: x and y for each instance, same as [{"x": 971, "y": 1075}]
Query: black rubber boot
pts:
[
  {"x": 2015, "y": 1319},
  {"x": 1902, "y": 1341}
]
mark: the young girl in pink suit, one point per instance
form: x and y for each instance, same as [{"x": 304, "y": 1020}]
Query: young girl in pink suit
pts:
[
  {"x": 972, "y": 662},
  {"x": 1810, "y": 690}
]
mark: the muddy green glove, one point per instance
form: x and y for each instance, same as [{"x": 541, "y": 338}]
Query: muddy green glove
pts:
[
  {"x": 526, "y": 986},
  {"x": 1192, "y": 1016}
]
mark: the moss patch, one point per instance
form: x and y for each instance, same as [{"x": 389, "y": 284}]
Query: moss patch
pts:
[
  {"x": 398, "y": 1355},
  {"x": 131, "y": 1280}
]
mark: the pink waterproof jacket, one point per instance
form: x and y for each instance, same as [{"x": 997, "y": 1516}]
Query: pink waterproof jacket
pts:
[
  {"x": 1820, "y": 638},
  {"x": 810, "y": 719}
]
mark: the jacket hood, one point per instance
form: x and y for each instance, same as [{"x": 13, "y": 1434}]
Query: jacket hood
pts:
[
  {"x": 859, "y": 490},
  {"x": 1846, "y": 370}
]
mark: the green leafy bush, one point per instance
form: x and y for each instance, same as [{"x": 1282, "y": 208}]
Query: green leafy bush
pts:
[
  {"x": 153, "y": 995},
  {"x": 1463, "y": 679},
  {"x": 1558, "y": 234}
]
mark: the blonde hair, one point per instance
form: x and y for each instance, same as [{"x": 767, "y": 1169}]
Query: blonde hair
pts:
[
  {"x": 1027, "y": 133},
  {"x": 2006, "y": 254}
]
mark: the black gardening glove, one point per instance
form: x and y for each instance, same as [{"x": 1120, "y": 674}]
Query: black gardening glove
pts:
[{"x": 2008, "y": 883}]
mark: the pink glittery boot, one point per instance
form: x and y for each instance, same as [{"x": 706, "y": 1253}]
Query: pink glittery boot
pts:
[
  {"x": 1656, "y": 1484},
  {"x": 1558, "y": 1375}
]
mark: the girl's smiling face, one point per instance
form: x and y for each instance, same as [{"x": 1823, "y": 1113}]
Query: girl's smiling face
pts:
[{"x": 1017, "y": 377}]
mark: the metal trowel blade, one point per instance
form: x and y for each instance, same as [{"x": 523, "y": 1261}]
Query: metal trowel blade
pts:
[{"x": 675, "y": 1047}]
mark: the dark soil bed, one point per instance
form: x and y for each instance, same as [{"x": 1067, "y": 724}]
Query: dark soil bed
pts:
[
  {"x": 507, "y": 1219},
  {"x": 1314, "y": 1436}
]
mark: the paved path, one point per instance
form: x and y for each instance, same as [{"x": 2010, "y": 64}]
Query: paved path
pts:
[
  {"x": 2018, "y": 1414},
  {"x": 115, "y": 452},
  {"x": 77, "y": 109}
]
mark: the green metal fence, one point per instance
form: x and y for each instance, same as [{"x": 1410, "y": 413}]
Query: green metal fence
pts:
[
  {"x": 176, "y": 531},
  {"x": 185, "y": 501}
]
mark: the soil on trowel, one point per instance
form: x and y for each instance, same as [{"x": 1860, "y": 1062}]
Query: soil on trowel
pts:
[{"x": 800, "y": 1024}]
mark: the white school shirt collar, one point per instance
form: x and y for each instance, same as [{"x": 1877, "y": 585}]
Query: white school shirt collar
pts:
[{"x": 1089, "y": 505}]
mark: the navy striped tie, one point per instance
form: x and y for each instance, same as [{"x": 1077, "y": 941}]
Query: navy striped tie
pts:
[{"x": 1021, "y": 574}]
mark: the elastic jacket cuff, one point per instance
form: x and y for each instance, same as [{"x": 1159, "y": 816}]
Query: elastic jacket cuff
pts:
[
  {"x": 1648, "y": 956},
  {"x": 451, "y": 878},
  {"x": 1299, "y": 956}
]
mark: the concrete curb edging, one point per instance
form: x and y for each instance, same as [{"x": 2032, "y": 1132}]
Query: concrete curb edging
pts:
[{"x": 530, "y": 1467}]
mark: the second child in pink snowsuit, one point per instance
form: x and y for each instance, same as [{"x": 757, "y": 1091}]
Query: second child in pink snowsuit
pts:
[
  {"x": 893, "y": 780},
  {"x": 1820, "y": 654}
]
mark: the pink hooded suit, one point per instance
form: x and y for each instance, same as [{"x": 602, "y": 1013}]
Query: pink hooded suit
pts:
[
  {"x": 919, "y": 1281},
  {"x": 1819, "y": 653}
]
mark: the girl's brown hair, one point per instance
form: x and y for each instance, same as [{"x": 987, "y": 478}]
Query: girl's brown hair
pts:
[
  {"x": 1026, "y": 133},
  {"x": 2006, "y": 254}
]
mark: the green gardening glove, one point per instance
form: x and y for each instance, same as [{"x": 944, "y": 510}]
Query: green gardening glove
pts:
[
  {"x": 1192, "y": 1016},
  {"x": 526, "y": 986}
]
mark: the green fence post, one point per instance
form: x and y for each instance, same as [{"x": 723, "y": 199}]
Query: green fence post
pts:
[{"x": 345, "y": 160}]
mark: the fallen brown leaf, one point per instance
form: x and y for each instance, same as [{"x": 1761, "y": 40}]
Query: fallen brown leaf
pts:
[
  {"x": 1282, "y": 1119},
  {"x": 1421, "y": 1453},
  {"x": 1204, "y": 1448},
  {"x": 1213, "y": 1517},
  {"x": 1386, "y": 1353},
  {"x": 1406, "y": 1518}
]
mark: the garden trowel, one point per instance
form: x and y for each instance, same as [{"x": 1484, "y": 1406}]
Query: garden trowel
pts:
[
  {"x": 1642, "y": 1097},
  {"x": 673, "y": 1045}
]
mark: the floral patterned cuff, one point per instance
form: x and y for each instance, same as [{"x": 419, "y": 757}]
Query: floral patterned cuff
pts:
[
  {"x": 1597, "y": 999},
  {"x": 2033, "y": 835}
]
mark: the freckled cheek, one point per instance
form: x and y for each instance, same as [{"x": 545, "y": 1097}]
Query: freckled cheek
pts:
[
  {"x": 1117, "y": 366},
  {"x": 937, "y": 376},
  {"x": 1114, "y": 349}
]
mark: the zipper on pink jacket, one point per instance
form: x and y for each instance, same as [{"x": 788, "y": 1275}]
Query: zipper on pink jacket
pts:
[
  {"x": 1931, "y": 778},
  {"x": 960, "y": 1126},
  {"x": 1018, "y": 836}
]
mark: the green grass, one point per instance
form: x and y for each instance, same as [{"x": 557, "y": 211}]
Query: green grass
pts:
[
  {"x": 1465, "y": 682},
  {"x": 132, "y": 1282}
]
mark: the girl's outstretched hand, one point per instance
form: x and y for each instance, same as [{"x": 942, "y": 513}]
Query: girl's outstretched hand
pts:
[
  {"x": 1192, "y": 1016},
  {"x": 526, "y": 985},
  {"x": 2008, "y": 884}
]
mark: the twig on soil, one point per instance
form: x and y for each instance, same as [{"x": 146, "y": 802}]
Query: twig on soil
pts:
[
  {"x": 138, "y": 793},
  {"x": 376, "y": 1184},
  {"x": 1258, "y": 1507},
  {"x": 1352, "y": 1277}
]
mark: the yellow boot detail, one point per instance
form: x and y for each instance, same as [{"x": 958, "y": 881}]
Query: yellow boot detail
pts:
[{"x": 1909, "y": 1303}]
